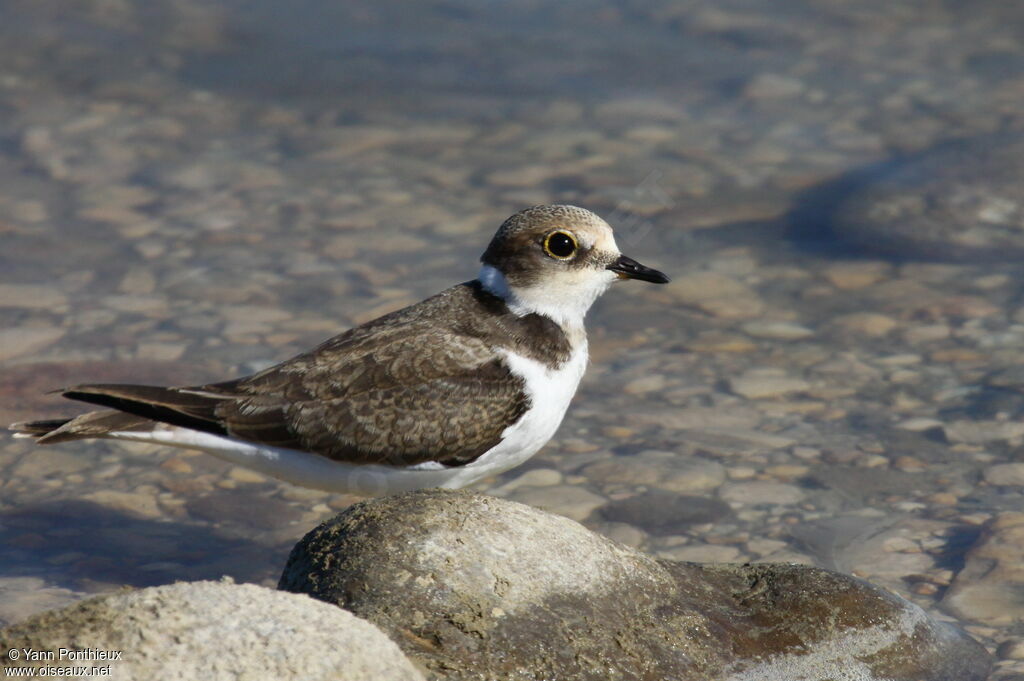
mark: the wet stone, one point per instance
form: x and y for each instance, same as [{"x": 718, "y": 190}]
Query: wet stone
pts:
[
  {"x": 759, "y": 384},
  {"x": 869, "y": 324},
  {"x": 702, "y": 553},
  {"x": 1005, "y": 474},
  {"x": 29, "y": 211},
  {"x": 716, "y": 341},
  {"x": 246, "y": 475},
  {"x": 572, "y": 502},
  {"x": 623, "y": 533},
  {"x": 716, "y": 294},
  {"x": 735, "y": 442},
  {"x": 772, "y": 86},
  {"x": 980, "y": 432},
  {"x": 761, "y": 492},
  {"x": 860, "y": 482},
  {"x": 777, "y": 330},
  {"x": 234, "y": 507},
  {"x": 31, "y": 296},
  {"x": 21, "y": 341},
  {"x": 138, "y": 504},
  {"x": 663, "y": 513},
  {"x": 853, "y": 276},
  {"x": 665, "y": 470},
  {"x": 927, "y": 333},
  {"x": 645, "y": 384},
  {"x": 161, "y": 352},
  {"x": 52, "y": 463}
]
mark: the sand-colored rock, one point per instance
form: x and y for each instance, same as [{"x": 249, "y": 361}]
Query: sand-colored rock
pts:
[{"x": 213, "y": 631}]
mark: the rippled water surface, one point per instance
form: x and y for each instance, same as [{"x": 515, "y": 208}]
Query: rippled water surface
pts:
[{"x": 190, "y": 190}]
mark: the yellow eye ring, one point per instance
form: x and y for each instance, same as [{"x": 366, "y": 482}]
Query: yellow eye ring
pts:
[{"x": 560, "y": 245}]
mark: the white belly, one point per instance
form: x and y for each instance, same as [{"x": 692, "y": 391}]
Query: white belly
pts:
[{"x": 549, "y": 391}]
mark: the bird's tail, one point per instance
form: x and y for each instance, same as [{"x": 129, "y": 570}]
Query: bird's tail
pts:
[
  {"x": 92, "y": 425},
  {"x": 36, "y": 429},
  {"x": 135, "y": 408}
]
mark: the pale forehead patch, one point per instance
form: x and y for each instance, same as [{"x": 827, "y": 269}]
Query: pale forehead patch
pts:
[
  {"x": 596, "y": 234},
  {"x": 602, "y": 237}
]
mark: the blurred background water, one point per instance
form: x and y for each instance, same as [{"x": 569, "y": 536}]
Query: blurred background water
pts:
[{"x": 191, "y": 190}]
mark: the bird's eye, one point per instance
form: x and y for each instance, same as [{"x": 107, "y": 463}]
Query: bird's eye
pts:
[{"x": 560, "y": 245}]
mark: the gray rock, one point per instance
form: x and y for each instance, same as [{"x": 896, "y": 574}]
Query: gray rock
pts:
[
  {"x": 703, "y": 553},
  {"x": 18, "y": 341},
  {"x": 772, "y": 86},
  {"x": 761, "y": 492},
  {"x": 735, "y": 442},
  {"x": 664, "y": 470},
  {"x": 135, "y": 503},
  {"x": 758, "y": 384},
  {"x": 475, "y": 587},
  {"x": 859, "y": 483},
  {"x": 568, "y": 500},
  {"x": 776, "y": 330},
  {"x": 981, "y": 432},
  {"x": 213, "y": 631},
  {"x": 32, "y": 296},
  {"x": 716, "y": 294}
]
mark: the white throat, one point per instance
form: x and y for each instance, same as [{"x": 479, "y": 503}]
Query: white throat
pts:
[{"x": 566, "y": 306}]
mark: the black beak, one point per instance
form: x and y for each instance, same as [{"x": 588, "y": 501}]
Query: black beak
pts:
[{"x": 627, "y": 268}]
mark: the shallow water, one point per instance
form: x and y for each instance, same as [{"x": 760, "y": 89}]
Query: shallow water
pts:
[{"x": 193, "y": 190}]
